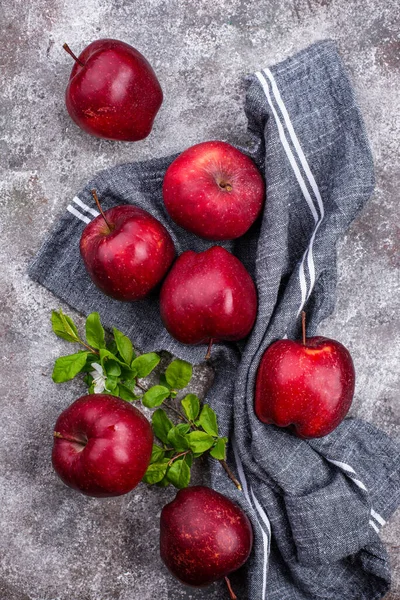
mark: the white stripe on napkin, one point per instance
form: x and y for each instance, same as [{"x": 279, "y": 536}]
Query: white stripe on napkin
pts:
[
  {"x": 377, "y": 517},
  {"x": 85, "y": 207},
  {"x": 309, "y": 175},
  {"x": 373, "y": 526},
  {"x": 350, "y": 472},
  {"x": 76, "y": 213},
  {"x": 308, "y": 254},
  {"x": 265, "y": 536}
]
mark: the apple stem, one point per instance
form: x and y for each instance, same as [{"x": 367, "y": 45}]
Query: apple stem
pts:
[
  {"x": 210, "y": 343},
  {"x": 225, "y": 186},
  {"x": 232, "y": 594},
  {"x": 303, "y": 326},
  {"x": 58, "y": 435},
  {"x": 96, "y": 199},
  {"x": 76, "y": 59},
  {"x": 231, "y": 475}
]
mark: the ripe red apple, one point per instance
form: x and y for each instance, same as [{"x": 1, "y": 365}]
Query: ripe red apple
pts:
[
  {"x": 102, "y": 445},
  {"x": 208, "y": 297},
  {"x": 113, "y": 92},
  {"x": 203, "y": 536},
  {"x": 126, "y": 252},
  {"x": 213, "y": 190},
  {"x": 308, "y": 385}
]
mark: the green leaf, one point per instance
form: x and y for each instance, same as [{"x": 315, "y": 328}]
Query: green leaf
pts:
[
  {"x": 199, "y": 441},
  {"x": 126, "y": 394},
  {"x": 114, "y": 392},
  {"x": 128, "y": 375},
  {"x": 69, "y": 325},
  {"x": 124, "y": 346},
  {"x": 179, "y": 473},
  {"x": 156, "y": 454},
  {"x": 111, "y": 384},
  {"x": 66, "y": 367},
  {"x": 183, "y": 428},
  {"x": 95, "y": 331},
  {"x": 143, "y": 365},
  {"x": 177, "y": 440},
  {"x": 155, "y": 396},
  {"x": 156, "y": 471},
  {"x": 106, "y": 355},
  {"x": 191, "y": 406},
  {"x": 91, "y": 358},
  {"x": 161, "y": 425},
  {"x": 112, "y": 347},
  {"x": 88, "y": 379},
  {"x": 112, "y": 368},
  {"x": 219, "y": 450},
  {"x": 208, "y": 420},
  {"x": 163, "y": 483},
  {"x": 163, "y": 380},
  {"x": 64, "y": 327},
  {"x": 130, "y": 384},
  {"x": 178, "y": 374}
]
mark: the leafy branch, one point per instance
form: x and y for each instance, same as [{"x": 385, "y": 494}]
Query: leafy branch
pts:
[{"x": 111, "y": 365}]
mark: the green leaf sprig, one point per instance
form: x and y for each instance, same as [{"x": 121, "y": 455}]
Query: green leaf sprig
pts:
[{"x": 111, "y": 365}]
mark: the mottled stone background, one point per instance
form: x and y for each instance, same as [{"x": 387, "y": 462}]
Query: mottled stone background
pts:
[{"x": 54, "y": 543}]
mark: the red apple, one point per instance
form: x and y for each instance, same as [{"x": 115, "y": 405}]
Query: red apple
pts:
[
  {"x": 204, "y": 536},
  {"x": 113, "y": 92},
  {"x": 213, "y": 190},
  {"x": 308, "y": 385},
  {"x": 208, "y": 296},
  {"x": 102, "y": 445},
  {"x": 126, "y": 252}
]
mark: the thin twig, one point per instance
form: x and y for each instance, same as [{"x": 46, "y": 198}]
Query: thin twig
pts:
[
  {"x": 89, "y": 348},
  {"x": 182, "y": 418},
  {"x": 141, "y": 386},
  {"x": 231, "y": 475},
  {"x": 173, "y": 459}
]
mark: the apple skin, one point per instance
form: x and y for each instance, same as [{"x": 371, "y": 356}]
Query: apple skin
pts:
[
  {"x": 112, "y": 450},
  {"x": 129, "y": 261},
  {"x": 203, "y": 536},
  {"x": 208, "y": 296},
  {"x": 116, "y": 94},
  {"x": 213, "y": 190},
  {"x": 307, "y": 386}
]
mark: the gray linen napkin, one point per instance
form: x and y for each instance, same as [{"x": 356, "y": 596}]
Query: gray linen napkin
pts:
[{"x": 316, "y": 506}]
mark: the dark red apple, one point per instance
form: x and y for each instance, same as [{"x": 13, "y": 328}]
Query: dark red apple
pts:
[
  {"x": 308, "y": 385},
  {"x": 208, "y": 296},
  {"x": 102, "y": 445},
  {"x": 204, "y": 536},
  {"x": 213, "y": 190},
  {"x": 113, "y": 92},
  {"x": 126, "y": 252}
]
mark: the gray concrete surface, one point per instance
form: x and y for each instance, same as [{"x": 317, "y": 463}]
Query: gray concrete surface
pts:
[{"x": 54, "y": 543}]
